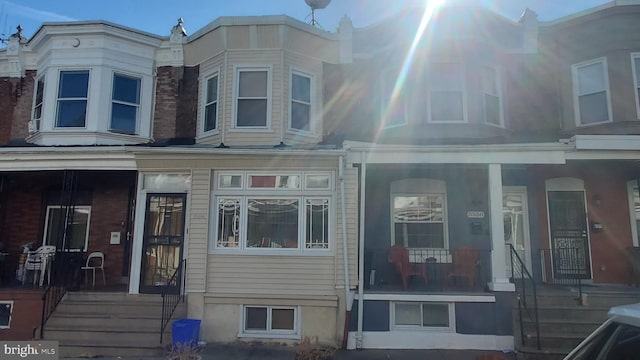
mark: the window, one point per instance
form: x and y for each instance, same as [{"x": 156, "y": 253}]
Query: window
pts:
[
  {"x": 79, "y": 232},
  {"x": 634, "y": 209},
  {"x": 492, "y": 101},
  {"x": 393, "y": 101},
  {"x": 422, "y": 315},
  {"x": 37, "y": 103},
  {"x": 446, "y": 92},
  {"x": 275, "y": 212},
  {"x": 125, "y": 104},
  {"x": 6, "y": 307},
  {"x": 211, "y": 104},
  {"x": 252, "y": 98},
  {"x": 635, "y": 62},
  {"x": 419, "y": 213},
  {"x": 591, "y": 89},
  {"x": 72, "y": 98},
  {"x": 300, "y": 102},
  {"x": 270, "y": 320}
]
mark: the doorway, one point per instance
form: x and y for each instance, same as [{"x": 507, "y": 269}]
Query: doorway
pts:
[{"x": 516, "y": 224}]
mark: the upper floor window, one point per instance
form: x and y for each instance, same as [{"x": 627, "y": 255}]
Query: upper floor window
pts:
[
  {"x": 37, "y": 103},
  {"x": 252, "y": 98},
  {"x": 125, "y": 104},
  {"x": 592, "y": 101},
  {"x": 211, "y": 104},
  {"x": 635, "y": 62},
  {"x": 492, "y": 96},
  {"x": 446, "y": 93},
  {"x": 72, "y": 98},
  {"x": 393, "y": 100},
  {"x": 300, "y": 102}
]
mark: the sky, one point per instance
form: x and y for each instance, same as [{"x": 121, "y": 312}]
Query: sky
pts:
[{"x": 158, "y": 16}]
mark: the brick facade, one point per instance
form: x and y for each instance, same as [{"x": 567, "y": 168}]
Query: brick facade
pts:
[{"x": 24, "y": 104}]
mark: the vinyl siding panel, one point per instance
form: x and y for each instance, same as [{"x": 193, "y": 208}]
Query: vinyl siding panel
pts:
[
  {"x": 203, "y": 48},
  {"x": 198, "y": 229},
  {"x": 238, "y": 37},
  {"x": 268, "y": 36},
  {"x": 312, "y": 45},
  {"x": 351, "y": 209}
]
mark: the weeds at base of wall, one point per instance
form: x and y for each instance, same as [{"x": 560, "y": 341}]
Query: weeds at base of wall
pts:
[
  {"x": 183, "y": 351},
  {"x": 308, "y": 351}
]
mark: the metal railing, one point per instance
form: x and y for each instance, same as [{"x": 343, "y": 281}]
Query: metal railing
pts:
[
  {"x": 172, "y": 295},
  {"x": 50, "y": 300},
  {"x": 460, "y": 269},
  {"x": 523, "y": 280},
  {"x": 566, "y": 266}
]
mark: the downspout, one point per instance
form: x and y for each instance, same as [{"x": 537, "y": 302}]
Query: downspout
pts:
[
  {"x": 363, "y": 171},
  {"x": 348, "y": 295}
]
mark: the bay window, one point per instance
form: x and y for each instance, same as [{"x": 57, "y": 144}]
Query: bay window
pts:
[
  {"x": 211, "y": 104},
  {"x": 37, "y": 104},
  {"x": 300, "y": 113},
  {"x": 252, "y": 98},
  {"x": 492, "y": 96},
  {"x": 393, "y": 100},
  {"x": 591, "y": 92},
  {"x": 125, "y": 104},
  {"x": 446, "y": 93},
  {"x": 72, "y": 99}
]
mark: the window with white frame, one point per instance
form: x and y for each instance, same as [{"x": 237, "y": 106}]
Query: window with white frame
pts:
[
  {"x": 282, "y": 212},
  {"x": 270, "y": 320},
  {"x": 393, "y": 100},
  {"x": 446, "y": 92},
  {"x": 634, "y": 209},
  {"x": 419, "y": 215},
  {"x": 635, "y": 63},
  {"x": 210, "y": 118},
  {"x": 591, "y": 92},
  {"x": 6, "y": 308},
  {"x": 492, "y": 96},
  {"x": 416, "y": 315},
  {"x": 73, "y": 89},
  {"x": 252, "y": 98},
  {"x": 301, "y": 102},
  {"x": 37, "y": 103},
  {"x": 77, "y": 237},
  {"x": 125, "y": 104}
]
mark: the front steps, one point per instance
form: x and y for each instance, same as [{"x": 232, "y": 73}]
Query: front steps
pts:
[
  {"x": 565, "y": 319},
  {"x": 90, "y": 324}
]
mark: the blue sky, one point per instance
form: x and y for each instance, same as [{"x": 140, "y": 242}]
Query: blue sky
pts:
[{"x": 158, "y": 16}]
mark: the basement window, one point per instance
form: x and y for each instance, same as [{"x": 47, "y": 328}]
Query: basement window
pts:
[
  {"x": 270, "y": 321},
  {"x": 6, "y": 307}
]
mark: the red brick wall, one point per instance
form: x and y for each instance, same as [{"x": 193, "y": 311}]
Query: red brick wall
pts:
[
  {"x": 24, "y": 104},
  {"x": 7, "y": 105},
  {"x": 25, "y": 316},
  {"x": 167, "y": 88}
]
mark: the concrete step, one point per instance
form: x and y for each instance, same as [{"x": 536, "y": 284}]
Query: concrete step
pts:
[
  {"x": 112, "y": 297},
  {"x": 574, "y": 326},
  {"x": 555, "y": 340},
  {"x": 87, "y": 307},
  {"x": 109, "y": 321},
  {"x": 114, "y": 336},
  {"x": 592, "y": 314}
]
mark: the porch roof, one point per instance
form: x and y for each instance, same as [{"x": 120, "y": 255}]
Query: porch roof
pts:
[{"x": 69, "y": 158}]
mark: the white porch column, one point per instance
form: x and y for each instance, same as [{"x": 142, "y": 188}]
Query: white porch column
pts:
[{"x": 499, "y": 282}]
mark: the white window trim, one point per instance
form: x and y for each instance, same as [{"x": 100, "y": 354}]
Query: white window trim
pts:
[
  {"x": 58, "y": 99},
  {"x": 112, "y": 101},
  {"x": 46, "y": 225},
  {"x": 36, "y": 123},
  {"x": 386, "y": 100},
  {"x": 10, "y": 302},
  {"x": 463, "y": 90},
  {"x": 273, "y": 334},
  {"x": 312, "y": 103},
  {"x": 203, "y": 107},
  {"x": 452, "y": 318},
  {"x": 631, "y": 184},
  {"x": 245, "y": 193},
  {"x": 499, "y": 95},
  {"x": 576, "y": 96},
  {"x": 237, "y": 69},
  {"x": 635, "y": 72},
  {"x": 418, "y": 187}
]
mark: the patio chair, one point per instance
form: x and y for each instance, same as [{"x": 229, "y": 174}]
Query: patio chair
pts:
[
  {"x": 97, "y": 264},
  {"x": 39, "y": 262},
  {"x": 399, "y": 256},
  {"x": 464, "y": 262}
]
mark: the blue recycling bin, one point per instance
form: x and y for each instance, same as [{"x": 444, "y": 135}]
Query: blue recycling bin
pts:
[{"x": 185, "y": 332}]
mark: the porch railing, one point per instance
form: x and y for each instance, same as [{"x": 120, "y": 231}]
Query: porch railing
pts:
[
  {"x": 172, "y": 295},
  {"x": 566, "y": 266},
  {"x": 461, "y": 269},
  {"x": 51, "y": 297},
  {"x": 526, "y": 294}
]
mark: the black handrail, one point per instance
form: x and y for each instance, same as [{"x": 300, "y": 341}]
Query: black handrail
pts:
[
  {"x": 172, "y": 294},
  {"x": 523, "y": 276},
  {"x": 50, "y": 300}
]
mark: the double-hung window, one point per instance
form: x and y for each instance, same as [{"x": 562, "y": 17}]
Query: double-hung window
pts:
[
  {"x": 393, "y": 100},
  {"x": 77, "y": 237},
  {"x": 300, "y": 102},
  {"x": 591, "y": 92},
  {"x": 73, "y": 88},
  {"x": 210, "y": 117},
  {"x": 37, "y": 103},
  {"x": 446, "y": 93},
  {"x": 281, "y": 212},
  {"x": 252, "y": 98},
  {"x": 492, "y": 98},
  {"x": 125, "y": 104}
]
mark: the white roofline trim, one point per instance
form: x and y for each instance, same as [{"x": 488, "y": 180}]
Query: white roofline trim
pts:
[{"x": 589, "y": 11}]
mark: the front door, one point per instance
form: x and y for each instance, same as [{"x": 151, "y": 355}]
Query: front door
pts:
[
  {"x": 569, "y": 235},
  {"x": 162, "y": 242},
  {"x": 516, "y": 225}
]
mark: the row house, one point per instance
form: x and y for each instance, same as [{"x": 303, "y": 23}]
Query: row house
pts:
[{"x": 377, "y": 187}]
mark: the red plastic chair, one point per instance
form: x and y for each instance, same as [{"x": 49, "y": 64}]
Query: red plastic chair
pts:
[{"x": 399, "y": 256}]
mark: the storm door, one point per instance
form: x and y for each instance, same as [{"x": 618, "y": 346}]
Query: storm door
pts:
[
  {"x": 162, "y": 242},
  {"x": 516, "y": 226},
  {"x": 569, "y": 235}
]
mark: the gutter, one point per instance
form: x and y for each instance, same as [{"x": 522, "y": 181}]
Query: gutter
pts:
[
  {"x": 363, "y": 170},
  {"x": 348, "y": 294}
]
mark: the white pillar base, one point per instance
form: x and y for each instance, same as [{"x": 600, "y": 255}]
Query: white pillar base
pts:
[{"x": 501, "y": 286}]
